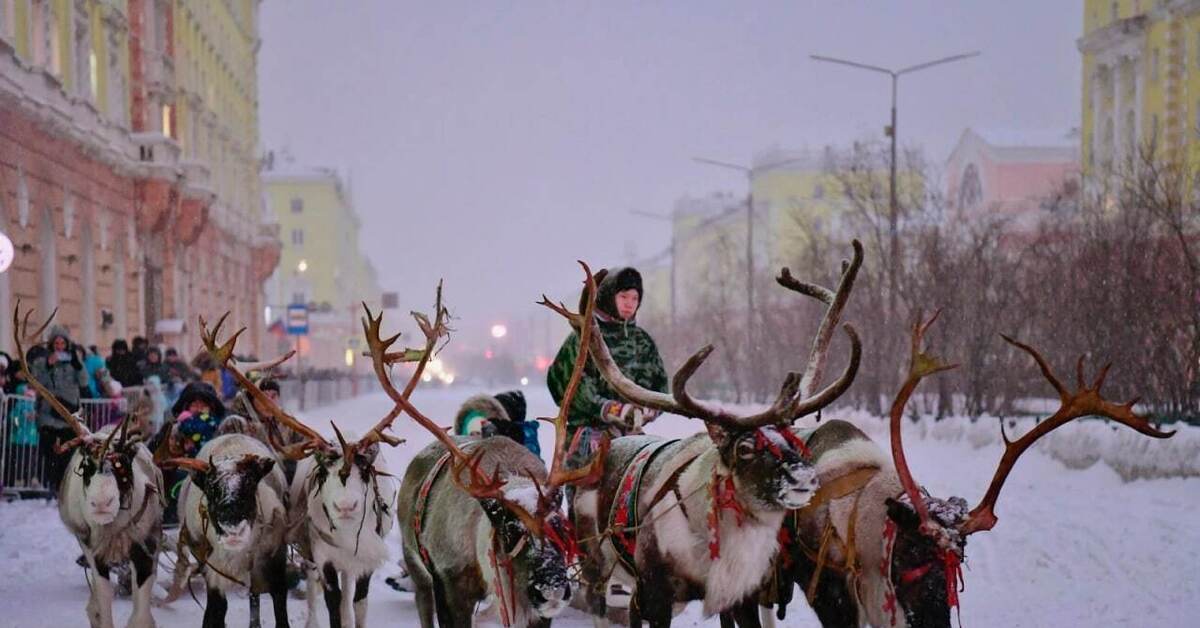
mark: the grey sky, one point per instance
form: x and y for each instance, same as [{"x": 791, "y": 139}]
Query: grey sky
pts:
[{"x": 494, "y": 143}]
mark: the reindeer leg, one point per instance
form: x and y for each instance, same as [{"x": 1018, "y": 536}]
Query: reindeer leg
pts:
[
  {"x": 215, "y": 608},
  {"x": 422, "y": 590},
  {"x": 346, "y": 608},
  {"x": 255, "y": 610},
  {"x": 143, "y": 560},
  {"x": 333, "y": 595},
  {"x": 276, "y": 573},
  {"x": 360, "y": 600},
  {"x": 99, "y": 607},
  {"x": 314, "y": 589}
]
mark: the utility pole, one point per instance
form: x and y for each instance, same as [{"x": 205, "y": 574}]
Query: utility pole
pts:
[{"x": 893, "y": 203}]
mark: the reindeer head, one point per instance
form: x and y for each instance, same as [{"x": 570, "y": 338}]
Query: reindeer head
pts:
[
  {"x": 103, "y": 462},
  {"x": 538, "y": 558},
  {"x": 230, "y": 488},
  {"x": 926, "y": 536},
  {"x": 769, "y": 466}
]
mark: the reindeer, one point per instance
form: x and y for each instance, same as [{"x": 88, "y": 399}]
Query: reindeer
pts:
[
  {"x": 876, "y": 548},
  {"x": 111, "y": 499},
  {"x": 342, "y": 497},
  {"x": 699, "y": 518},
  {"x": 480, "y": 518},
  {"x": 232, "y": 509}
]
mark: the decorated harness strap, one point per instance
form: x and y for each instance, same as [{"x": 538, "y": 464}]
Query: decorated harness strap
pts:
[
  {"x": 623, "y": 517},
  {"x": 418, "y": 517}
]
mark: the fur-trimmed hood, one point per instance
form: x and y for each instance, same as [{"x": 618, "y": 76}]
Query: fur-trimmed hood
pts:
[{"x": 479, "y": 405}]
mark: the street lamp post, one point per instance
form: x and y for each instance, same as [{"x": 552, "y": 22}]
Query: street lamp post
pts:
[
  {"x": 893, "y": 204},
  {"x": 749, "y": 171}
]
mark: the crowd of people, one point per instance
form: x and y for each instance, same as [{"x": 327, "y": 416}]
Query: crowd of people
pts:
[{"x": 145, "y": 379}]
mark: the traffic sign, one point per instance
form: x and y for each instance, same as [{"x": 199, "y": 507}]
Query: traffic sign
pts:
[{"x": 297, "y": 319}]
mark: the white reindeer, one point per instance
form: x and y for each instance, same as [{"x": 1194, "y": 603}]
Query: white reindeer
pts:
[{"x": 110, "y": 498}]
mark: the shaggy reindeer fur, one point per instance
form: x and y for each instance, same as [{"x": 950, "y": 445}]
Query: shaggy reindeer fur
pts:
[
  {"x": 352, "y": 545},
  {"x": 457, "y": 533},
  {"x": 258, "y": 563},
  {"x": 673, "y": 555},
  {"x": 132, "y": 535},
  {"x": 840, "y": 448}
]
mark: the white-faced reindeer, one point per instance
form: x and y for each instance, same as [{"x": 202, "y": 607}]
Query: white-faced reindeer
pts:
[
  {"x": 232, "y": 511},
  {"x": 699, "y": 518},
  {"x": 111, "y": 499},
  {"x": 881, "y": 551},
  {"x": 480, "y": 518},
  {"x": 342, "y": 497}
]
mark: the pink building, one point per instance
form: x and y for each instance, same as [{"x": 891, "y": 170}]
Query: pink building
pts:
[{"x": 1009, "y": 175}]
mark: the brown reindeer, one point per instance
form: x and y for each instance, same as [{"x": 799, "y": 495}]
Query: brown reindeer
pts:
[
  {"x": 879, "y": 550},
  {"x": 480, "y": 518},
  {"x": 699, "y": 518}
]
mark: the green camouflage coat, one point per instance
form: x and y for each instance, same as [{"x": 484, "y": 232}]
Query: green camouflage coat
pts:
[{"x": 632, "y": 348}]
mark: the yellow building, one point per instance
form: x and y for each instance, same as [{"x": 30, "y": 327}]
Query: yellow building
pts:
[
  {"x": 1141, "y": 80},
  {"x": 322, "y": 264}
]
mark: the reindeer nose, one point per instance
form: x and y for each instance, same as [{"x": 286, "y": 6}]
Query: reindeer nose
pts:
[
  {"x": 104, "y": 503},
  {"x": 346, "y": 506}
]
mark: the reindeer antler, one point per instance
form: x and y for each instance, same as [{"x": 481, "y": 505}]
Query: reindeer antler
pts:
[
  {"x": 836, "y": 302},
  {"x": 790, "y": 404},
  {"x": 920, "y": 365},
  {"x": 1085, "y": 401},
  {"x": 222, "y": 354},
  {"x": 20, "y": 336},
  {"x": 477, "y": 484},
  {"x": 559, "y": 476}
]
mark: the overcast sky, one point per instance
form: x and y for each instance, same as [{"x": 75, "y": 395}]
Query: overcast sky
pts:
[{"x": 494, "y": 143}]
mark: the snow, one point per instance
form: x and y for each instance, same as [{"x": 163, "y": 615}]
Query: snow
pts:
[{"x": 1072, "y": 547}]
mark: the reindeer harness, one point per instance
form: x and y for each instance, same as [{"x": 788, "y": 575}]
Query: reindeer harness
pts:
[{"x": 623, "y": 518}]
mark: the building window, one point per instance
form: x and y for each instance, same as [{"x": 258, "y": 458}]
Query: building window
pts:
[
  {"x": 297, "y": 237},
  {"x": 297, "y": 205},
  {"x": 818, "y": 191},
  {"x": 167, "y": 129},
  {"x": 970, "y": 189},
  {"x": 1154, "y": 65},
  {"x": 1115, "y": 10},
  {"x": 94, "y": 77}
]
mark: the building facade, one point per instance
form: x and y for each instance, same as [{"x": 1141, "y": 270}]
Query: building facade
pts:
[
  {"x": 128, "y": 166},
  {"x": 1007, "y": 176},
  {"x": 321, "y": 264},
  {"x": 1141, "y": 80}
]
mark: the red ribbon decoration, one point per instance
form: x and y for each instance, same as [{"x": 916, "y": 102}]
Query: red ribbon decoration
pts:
[{"x": 724, "y": 497}]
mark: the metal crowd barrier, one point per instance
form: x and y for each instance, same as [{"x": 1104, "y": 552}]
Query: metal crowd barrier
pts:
[{"x": 22, "y": 468}]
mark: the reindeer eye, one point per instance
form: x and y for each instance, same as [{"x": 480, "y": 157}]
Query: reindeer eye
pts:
[{"x": 745, "y": 450}]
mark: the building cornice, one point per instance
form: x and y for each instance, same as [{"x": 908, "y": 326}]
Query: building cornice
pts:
[{"x": 1115, "y": 34}]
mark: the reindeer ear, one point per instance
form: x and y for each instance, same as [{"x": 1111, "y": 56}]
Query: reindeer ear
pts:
[
  {"x": 719, "y": 435},
  {"x": 902, "y": 513},
  {"x": 258, "y": 467}
]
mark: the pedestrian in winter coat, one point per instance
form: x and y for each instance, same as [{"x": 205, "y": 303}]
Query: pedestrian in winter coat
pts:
[
  {"x": 154, "y": 365},
  {"x": 178, "y": 372},
  {"x": 93, "y": 364},
  {"x": 198, "y": 413},
  {"x": 501, "y": 415},
  {"x": 122, "y": 366},
  {"x": 596, "y": 407},
  {"x": 60, "y": 370}
]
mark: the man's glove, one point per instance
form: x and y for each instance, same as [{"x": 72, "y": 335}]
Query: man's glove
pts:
[{"x": 627, "y": 416}]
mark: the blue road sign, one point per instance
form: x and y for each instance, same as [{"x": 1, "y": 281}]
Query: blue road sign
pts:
[{"x": 297, "y": 319}]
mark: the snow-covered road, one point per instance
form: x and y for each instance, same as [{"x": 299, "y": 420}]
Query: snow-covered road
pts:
[{"x": 1072, "y": 548}]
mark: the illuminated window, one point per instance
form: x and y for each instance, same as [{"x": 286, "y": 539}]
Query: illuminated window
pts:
[
  {"x": 166, "y": 121},
  {"x": 297, "y": 205},
  {"x": 94, "y": 75}
]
